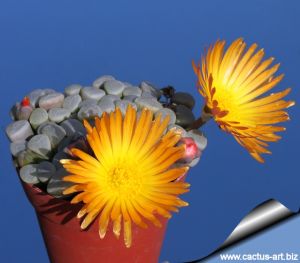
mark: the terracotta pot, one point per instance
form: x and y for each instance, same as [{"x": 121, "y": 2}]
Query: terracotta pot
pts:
[{"x": 66, "y": 243}]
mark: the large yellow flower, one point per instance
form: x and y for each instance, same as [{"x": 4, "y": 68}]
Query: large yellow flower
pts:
[
  {"x": 129, "y": 178},
  {"x": 232, "y": 84}
]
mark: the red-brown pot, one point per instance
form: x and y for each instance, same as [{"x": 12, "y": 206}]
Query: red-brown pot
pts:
[{"x": 67, "y": 243}]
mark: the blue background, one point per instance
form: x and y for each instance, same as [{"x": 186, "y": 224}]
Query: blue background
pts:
[{"x": 51, "y": 44}]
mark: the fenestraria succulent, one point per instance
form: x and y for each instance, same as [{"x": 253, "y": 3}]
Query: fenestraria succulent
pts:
[
  {"x": 129, "y": 178},
  {"x": 233, "y": 83}
]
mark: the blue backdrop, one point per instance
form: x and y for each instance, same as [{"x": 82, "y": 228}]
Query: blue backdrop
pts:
[{"x": 50, "y": 44}]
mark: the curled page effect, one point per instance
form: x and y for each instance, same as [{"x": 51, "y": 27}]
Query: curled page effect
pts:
[{"x": 261, "y": 217}]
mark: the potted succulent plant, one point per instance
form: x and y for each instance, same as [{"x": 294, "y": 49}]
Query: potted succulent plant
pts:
[{"x": 107, "y": 163}]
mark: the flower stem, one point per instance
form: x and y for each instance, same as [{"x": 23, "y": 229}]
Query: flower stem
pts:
[{"x": 203, "y": 119}]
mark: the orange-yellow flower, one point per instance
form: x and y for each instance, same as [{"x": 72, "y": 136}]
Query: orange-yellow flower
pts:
[
  {"x": 233, "y": 83},
  {"x": 129, "y": 178}
]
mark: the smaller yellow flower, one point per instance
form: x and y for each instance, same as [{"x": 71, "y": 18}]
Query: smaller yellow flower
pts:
[
  {"x": 233, "y": 83},
  {"x": 129, "y": 178}
]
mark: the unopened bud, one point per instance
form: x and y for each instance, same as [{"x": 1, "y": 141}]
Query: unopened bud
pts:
[
  {"x": 191, "y": 150},
  {"x": 25, "y": 102}
]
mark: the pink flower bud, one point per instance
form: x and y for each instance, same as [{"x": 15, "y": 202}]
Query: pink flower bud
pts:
[{"x": 191, "y": 150}]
